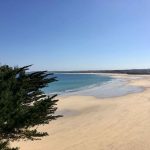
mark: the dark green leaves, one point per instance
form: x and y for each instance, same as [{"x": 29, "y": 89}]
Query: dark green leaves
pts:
[{"x": 23, "y": 104}]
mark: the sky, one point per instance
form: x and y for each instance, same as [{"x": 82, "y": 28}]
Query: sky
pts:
[{"x": 75, "y": 34}]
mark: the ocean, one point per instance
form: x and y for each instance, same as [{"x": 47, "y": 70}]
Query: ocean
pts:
[{"x": 97, "y": 85}]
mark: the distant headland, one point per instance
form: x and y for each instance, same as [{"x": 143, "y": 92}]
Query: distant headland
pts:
[{"x": 128, "y": 71}]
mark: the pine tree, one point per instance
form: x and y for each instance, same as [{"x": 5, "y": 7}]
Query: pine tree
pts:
[{"x": 23, "y": 104}]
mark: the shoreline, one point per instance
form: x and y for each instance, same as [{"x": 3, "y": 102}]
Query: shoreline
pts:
[
  {"x": 112, "y": 87},
  {"x": 118, "y": 123}
]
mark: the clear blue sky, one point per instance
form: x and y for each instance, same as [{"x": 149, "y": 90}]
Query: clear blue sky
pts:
[{"x": 75, "y": 34}]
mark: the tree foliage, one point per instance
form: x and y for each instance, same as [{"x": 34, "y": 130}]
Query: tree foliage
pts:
[
  {"x": 23, "y": 104},
  {"x": 4, "y": 145}
]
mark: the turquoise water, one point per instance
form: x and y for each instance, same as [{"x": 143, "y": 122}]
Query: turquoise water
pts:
[
  {"x": 90, "y": 85},
  {"x": 75, "y": 82}
]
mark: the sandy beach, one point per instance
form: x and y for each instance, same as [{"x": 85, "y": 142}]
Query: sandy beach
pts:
[{"x": 89, "y": 123}]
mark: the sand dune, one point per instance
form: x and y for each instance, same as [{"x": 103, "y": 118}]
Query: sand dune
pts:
[{"x": 119, "y": 123}]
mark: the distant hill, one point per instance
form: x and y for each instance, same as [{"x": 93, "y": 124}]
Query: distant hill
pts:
[{"x": 130, "y": 71}]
